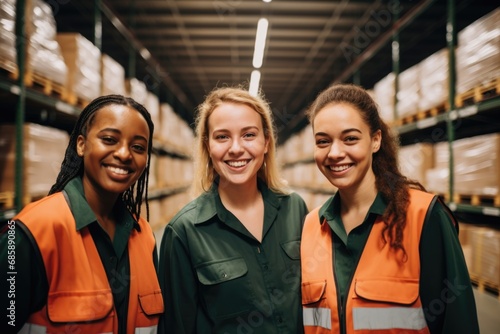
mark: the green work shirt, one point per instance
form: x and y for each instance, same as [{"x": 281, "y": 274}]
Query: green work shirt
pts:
[
  {"x": 217, "y": 278},
  {"x": 445, "y": 287},
  {"x": 31, "y": 280}
]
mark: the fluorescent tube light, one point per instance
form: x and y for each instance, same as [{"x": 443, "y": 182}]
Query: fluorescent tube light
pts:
[
  {"x": 260, "y": 42},
  {"x": 254, "y": 83}
]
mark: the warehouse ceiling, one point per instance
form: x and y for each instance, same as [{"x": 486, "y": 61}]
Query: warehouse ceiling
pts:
[{"x": 193, "y": 45}]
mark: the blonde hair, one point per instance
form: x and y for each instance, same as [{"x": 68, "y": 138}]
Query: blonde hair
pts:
[{"x": 205, "y": 173}]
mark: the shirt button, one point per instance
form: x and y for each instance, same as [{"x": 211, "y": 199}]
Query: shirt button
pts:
[
  {"x": 280, "y": 320},
  {"x": 265, "y": 267},
  {"x": 224, "y": 275}
]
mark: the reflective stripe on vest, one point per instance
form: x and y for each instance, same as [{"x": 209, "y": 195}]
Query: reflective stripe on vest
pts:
[
  {"x": 388, "y": 317},
  {"x": 320, "y": 316},
  {"x": 146, "y": 330},
  {"x": 37, "y": 329}
]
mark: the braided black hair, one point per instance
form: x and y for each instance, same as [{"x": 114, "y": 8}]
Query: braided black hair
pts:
[{"x": 72, "y": 164}]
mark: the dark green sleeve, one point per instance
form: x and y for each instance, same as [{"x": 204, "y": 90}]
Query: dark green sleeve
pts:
[
  {"x": 178, "y": 284},
  {"x": 22, "y": 278},
  {"x": 445, "y": 286}
]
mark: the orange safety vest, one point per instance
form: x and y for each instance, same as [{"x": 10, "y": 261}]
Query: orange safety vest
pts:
[
  {"x": 383, "y": 295},
  {"x": 80, "y": 298}
]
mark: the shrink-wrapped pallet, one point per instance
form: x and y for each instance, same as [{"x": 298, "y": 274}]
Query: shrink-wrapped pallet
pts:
[
  {"x": 43, "y": 153},
  {"x": 44, "y": 55},
  {"x": 437, "y": 178},
  {"x": 409, "y": 92},
  {"x": 8, "y": 35},
  {"x": 478, "y": 53},
  {"x": 485, "y": 255},
  {"x": 83, "y": 60},
  {"x": 175, "y": 132},
  {"x": 434, "y": 86},
  {"x": 477, "y": 165},
  {"x": 136, "y": 89},
  {"x": 152, "y": 104},
  {"x": 384, "y": 91},
  {"x": 112, "y": 76},
  {"x": 415, "y": 160}
]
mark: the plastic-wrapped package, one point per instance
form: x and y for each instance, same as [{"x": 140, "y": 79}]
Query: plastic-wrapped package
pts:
[
  {"x": 415, "y": 160},
  {"x": 112, "y": 76},
  {"x": 136, "y": 89},
  {"x": 43, "y": 153},
  {"x": 477, "y": 165},
  {"x": 384, "y": 96},
  {"x": 43, "y": 56},
  {"x": 152, "y": 104},
  {"x": 437, "y": 178},
  {"x": 485, "y": 255},
  {"x": 409, "y": 92},
  {"x": 434, "y": 74},
  {"x": 175, "y": 132},
  {"x": 83, "y": 60},
  {"x": 8, "y": 33},
  {"x": 478, "y": 53}
]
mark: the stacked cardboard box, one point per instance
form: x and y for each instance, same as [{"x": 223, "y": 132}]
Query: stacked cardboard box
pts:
[
  {"x": 8, "y": 33},
  {"x": 478, "y": 53},
  {"x": 83, "y": 60},
  {"x": 43, "y": 153},
  {"x": 112, "y": 76},
  {"x": 43, "y": 56}
]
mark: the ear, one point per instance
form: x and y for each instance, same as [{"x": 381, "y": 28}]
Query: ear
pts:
[
  {"x": 376, "y": 141},
  {"x": 80, "y": 145}
]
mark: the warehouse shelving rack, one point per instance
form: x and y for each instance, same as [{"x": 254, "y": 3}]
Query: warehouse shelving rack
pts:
[
  {"x": 478, "y": 117},
  {"x": 46, "y": 104}
]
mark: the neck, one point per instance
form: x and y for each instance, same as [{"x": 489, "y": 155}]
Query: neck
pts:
[
  {"x": 240, "y": 196},
  {"x": 360, "y": 198}
]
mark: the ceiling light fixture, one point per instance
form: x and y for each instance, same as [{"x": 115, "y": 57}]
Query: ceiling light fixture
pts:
[
  {"x": 253, "y": 89},
  {"x": 260, "y": 42},
  {"x": 267, "y": 0}
]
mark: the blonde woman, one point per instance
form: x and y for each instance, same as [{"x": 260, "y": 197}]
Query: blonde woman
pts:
[{"x": 229, "y": 260}]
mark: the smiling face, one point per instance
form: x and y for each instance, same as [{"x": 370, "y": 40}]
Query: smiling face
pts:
[
  {"x": 344, "y": 147},
  {"x": 114, "y": 151},
  {"x": 236, "y": 143}
]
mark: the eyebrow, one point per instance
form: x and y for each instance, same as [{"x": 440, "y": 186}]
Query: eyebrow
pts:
[
  {"x": 119, "y": 132},
  {"x": 343, "y": 132},
  {"x": 242, "y": 129}
]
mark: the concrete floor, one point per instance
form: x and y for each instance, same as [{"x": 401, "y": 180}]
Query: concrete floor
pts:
[{"x": 488, "y": 312}]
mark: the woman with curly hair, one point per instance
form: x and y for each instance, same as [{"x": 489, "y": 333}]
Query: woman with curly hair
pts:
[{"x": 381, "y": 255}]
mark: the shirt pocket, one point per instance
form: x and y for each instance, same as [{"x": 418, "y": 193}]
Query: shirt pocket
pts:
[
  {"x": 79, "y": 306},
  {"x": 291, "y": 249},
  {"x": 404, "y": 291},
  {"x": 225, "y": 287},
  {"x": 313, "y": 292}
]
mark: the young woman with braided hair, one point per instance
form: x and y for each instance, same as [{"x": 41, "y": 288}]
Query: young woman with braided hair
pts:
[
  {"x": 381, "y": 255},
  {"x": 85, "y": 259}
]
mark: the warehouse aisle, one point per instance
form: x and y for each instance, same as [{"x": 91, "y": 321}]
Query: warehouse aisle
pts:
[{"x": 488, "y": 312}]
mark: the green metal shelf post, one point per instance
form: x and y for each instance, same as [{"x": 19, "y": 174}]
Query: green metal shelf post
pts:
[
  {"x": 20, "y": 110},
  {"x": 451, "y": 39}
]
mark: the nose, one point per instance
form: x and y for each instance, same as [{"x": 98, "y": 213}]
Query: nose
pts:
[
  {"x": 123, "y": 152},
  {"x": 236, "y": 146},
  {"x": 336, "y": 151}
]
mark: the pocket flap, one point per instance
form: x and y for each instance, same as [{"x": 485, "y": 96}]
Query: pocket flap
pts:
[
  {"x": 292, "y": 249},
  {"x": 74, "y": 306},
  {"x": 312, "y": 292},
  {"x": 221, "y": 270},
  {"x": 393, "y": 290},
  {"x": 152, "y": 303}
]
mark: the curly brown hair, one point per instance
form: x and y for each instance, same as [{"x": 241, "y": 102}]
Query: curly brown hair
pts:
[{"x": 392, "y": 185}]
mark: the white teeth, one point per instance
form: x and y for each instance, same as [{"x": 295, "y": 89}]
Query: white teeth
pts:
[
  {"x": 339, "y": 168},
  {"x": 237, "y": 163},
  {"x": 118, "y": 170}
]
